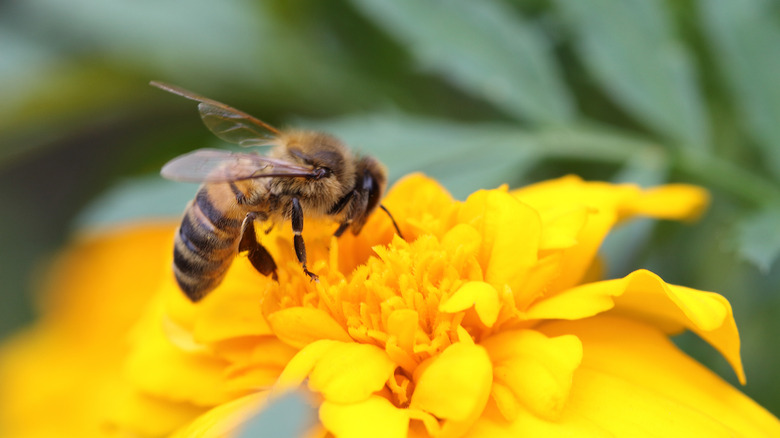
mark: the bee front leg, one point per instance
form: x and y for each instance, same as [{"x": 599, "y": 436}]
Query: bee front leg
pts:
[
  {"x": 296, "y": 215},
  {"x": 258, "y": 256}
]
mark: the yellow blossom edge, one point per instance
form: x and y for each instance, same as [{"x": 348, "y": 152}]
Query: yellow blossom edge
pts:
[
  {"x": 645, "y": 295},
  {"x": 603, "y": 205}
]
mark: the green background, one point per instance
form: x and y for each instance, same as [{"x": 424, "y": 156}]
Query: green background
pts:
[{"x": 473, "y": 93}]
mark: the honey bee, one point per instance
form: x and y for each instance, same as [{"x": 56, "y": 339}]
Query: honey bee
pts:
[{"x": 305, "y": 174}]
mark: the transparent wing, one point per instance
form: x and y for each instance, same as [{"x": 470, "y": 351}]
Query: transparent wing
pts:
[
  {"x": 214, "y": 165},
  {"x": 224, "y": 121}
]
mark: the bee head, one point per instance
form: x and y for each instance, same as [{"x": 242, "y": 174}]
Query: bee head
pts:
[{"x": 332, "y": 162}]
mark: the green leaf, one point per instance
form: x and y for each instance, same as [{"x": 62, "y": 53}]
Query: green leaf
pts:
[
  {"x": 630, "y": 48},
  {"x": 758, "y": 239},
  {"x": 746, "y": 39},
  {"x": 288, "y": 416},
  {"x": 484, "y": 48}
]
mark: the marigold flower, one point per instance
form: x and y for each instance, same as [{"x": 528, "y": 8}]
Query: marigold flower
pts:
[{"x": 488, "y": 319}]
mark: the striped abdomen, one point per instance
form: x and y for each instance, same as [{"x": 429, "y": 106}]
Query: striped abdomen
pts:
[{"x": 207, "y": 240}]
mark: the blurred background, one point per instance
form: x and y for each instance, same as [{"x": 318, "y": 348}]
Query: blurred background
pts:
[{"x": 475, "y": 94}]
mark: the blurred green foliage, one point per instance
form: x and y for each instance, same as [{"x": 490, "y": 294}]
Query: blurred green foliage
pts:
[{"x": 475, "y": 94}]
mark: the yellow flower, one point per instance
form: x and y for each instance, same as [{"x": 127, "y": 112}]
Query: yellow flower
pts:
[{"x": 489, "y": 319}]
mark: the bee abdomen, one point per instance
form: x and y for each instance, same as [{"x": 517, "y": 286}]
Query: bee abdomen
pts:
[{"x": 204, "y": 247}]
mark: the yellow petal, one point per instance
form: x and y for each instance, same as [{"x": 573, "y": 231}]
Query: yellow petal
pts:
[
  {"x": 341, "y": 372},
  {"x": 482, "y": 296},
  {"x": 633, "y": 381},
  {"x": 373, "y": 417},
  {"x": 464, "y": 237},
  {"x": 429, "y": 213},
  {"x": 302, "y": 364},
  {"x": 606, "y": 204},
  {"x": 561, "y": 226},
  {"x": 575, "y": 303},
  {"x": 350, "y": 372},
  {"x": 644, "y": 294},
  {"x": 157, "y": 366},
  {"x": 537, "y": 369},
  {"x": 672, "y": 201},
  {"x": 230, "y": 313},
  {"x": 707, "y": 314},
  {"x": 511, "y": 232},
  {"x": 455, "y": 385},
  {"x": 299, "y": 326},
  {"x": 403, "y": 324}
]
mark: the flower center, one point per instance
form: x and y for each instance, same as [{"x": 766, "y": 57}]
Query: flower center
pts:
[{"x": 393, "y": 300}]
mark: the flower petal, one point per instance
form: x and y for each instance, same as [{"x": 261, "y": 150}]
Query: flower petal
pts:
[
  {"x": 299, "y": 326},
  {"x": 633, "y": 381},
  {"x": 644, "y": 294},
  {"x": 671, "y": 201},
  {"x": 373, "y": 417},
  {"x": 606, "y": 204},
  {"x": 343, "y": 372},
  {"x": 511, "y": 233},
  {"x": 231, "y": 311},
  {"x": 429, "y": 213},
  {"x": 350, "y": 372},
  {"x": 454, "y": 385},
  {"x": 561, "y": 226},
  {"x": 538, "y": 370},
  {"x": 482, "y": 296},
  {"x": 157, "y": 366},
  {"x": 707, "y": 314},
  {"x": 575, "y": 303}
]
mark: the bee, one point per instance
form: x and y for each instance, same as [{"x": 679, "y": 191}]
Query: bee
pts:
[{"x": 306, "y": 174}]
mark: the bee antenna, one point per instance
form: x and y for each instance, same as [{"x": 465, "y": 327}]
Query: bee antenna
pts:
[{"x": 395, "y": 225}]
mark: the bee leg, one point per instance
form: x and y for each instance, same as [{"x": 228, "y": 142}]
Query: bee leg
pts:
[
  {"x": 343, "y": 227},
  {"x": 258, "y": 256},
  {"x": 296, "y": 215},
  {"x": 338, "y": 207}
]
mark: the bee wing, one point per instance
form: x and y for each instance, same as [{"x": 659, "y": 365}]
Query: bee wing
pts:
[
  {"x": 214, "y": 165},
  {"x": 224, "y": 121}
]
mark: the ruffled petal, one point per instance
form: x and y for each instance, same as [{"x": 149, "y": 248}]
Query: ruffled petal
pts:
[
  {"x": 478, "y": 294},
  {"x": 644, "y": 294},
  {"x": 454, "y": 385},
  {"x": 707, "y": 314},
  {"x": 511, "y": 232},
  {"x": 606, "y": 204},
  {"x": 530, "y": 368},
  {"x": 341, "y": 372}
]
